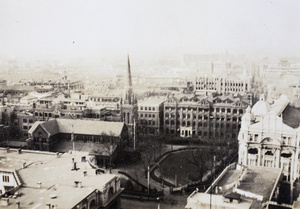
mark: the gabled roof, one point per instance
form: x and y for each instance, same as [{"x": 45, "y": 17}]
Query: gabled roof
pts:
[{"x": 86, "y": 127}]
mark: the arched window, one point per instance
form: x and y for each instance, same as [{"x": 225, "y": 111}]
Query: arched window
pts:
[{"x": 92, "y": 203}]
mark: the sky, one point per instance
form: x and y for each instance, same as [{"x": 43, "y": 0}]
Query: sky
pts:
[{"x": 95, "y": 28}]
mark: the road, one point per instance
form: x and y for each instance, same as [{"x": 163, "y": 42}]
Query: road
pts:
[{"x": 179, "y": 202}]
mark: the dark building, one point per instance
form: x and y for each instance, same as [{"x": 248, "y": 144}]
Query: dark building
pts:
[
  {"x": 101, "y": 138},
  {"x": 204, "y": 117}
]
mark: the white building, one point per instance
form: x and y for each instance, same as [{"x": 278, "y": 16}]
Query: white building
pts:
[{"x": 264, "y": 140}]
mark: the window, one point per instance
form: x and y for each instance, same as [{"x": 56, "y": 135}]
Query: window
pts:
[
  {"x": 141, "y": 115},
  {"x": 30, "y": 121},
  {"x": 145, "y": 115},
  {"x": 25, "y": 127},
  {"x": 145, "y": 108},
  {"x": 5, "y": 178},
  {"x": 153, "y": 108},
  {"x": 153, "y": 116},
  {"x": 24, "y": 120},
  {"x": 141, "y": 108}
]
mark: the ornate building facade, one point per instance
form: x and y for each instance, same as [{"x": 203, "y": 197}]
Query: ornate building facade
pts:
[
  {"x": 265, "y": 141},
  {"x": 204, "y": 117}
]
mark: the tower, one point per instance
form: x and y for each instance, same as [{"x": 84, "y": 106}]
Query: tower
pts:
[{"x": 129, "y": 104}]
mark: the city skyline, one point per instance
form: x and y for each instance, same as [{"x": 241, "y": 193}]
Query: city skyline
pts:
[{"x": 63, "y": 29}]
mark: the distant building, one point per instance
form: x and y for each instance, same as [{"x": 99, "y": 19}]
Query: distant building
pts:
[
  {"x": 223, "y": 85},
  {"x": 214, "y": 117},
  {"x": 150, "y": 115}
]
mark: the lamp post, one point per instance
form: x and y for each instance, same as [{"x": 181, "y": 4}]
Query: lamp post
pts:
[
  {"x": 148, "y": 179},
  {"x": 158, "y": 204}
]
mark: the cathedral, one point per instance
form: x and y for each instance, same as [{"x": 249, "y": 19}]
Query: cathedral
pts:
[{"x": 265, "y": 141}]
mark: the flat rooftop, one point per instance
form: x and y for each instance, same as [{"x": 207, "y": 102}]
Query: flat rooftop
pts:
[
  {"x": 255, "y": 180},
  {"x": 49, "y": 178},
  {"x": 203, "y": 200}
]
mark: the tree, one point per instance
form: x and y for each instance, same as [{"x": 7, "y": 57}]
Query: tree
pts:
[
  {"x": 200, "y": 159},
  {"x": 107, "y": 148},
  {"x": 150, "y": 148}
]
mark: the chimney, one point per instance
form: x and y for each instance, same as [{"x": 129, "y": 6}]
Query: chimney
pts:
[
  {"x": 7, "y": 149},
  {"x": 4, "y": 202},
  {"x": 48, "y": 206},
  {"x": 39, "y": 184},
  {"x": 24, "y": 165},
  {"x": 18, "y": 205},
  {"x": 77, "y": 184},
  {"x": 19, "y": 151},
  {"x": 84, "y": 173},
  {"x": 57, "y": 154}
]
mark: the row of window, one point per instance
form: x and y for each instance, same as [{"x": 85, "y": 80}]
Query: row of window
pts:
[
  {"x": 204, "y": 83},
  {"x": 200, "y": 124},
  {"x": 204, "y": 133},
  {"x": 29, "y": 120},
  {"x": 205, "y": 117},
  {"x": 147, "y": 115},
  {"x": 5, "y": 178},
  {"x": 26, "y": 127},
  {"x": 147, "y": 108},
  {"x": 147, "y": 122},
  {"x": 221, "y": 110},
  {"x": 41, "y": 114}
]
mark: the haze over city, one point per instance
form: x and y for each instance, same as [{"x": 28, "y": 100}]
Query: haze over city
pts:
[
  {"x": 139, "y": 104},
  {"x": 31, "y": 29}
]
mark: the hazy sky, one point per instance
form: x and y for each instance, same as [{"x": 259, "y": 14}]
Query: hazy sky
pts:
[{"x": 40, "y": 28}]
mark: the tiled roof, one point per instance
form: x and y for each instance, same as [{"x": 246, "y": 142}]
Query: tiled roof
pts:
[{"x": 87, "y": 127}]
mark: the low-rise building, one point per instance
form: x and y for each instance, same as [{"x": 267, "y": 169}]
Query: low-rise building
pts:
[
  {"x": 34, "y": 179},
  {"x": 240, "y": 187},
  {"x": 103, "y": 139}
]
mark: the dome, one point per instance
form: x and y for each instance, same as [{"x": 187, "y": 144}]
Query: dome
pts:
[{"x": 261, "y": 107}]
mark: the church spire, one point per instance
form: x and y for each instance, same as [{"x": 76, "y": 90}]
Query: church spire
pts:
[
  {"x": 128, "y": 81},
  {"x": 128, "y": 85}
]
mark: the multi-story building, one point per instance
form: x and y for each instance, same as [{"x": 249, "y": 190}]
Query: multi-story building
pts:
[
  {"x": 217, "y": 117},
  {"x": 223, "y": 85},
  {"x": 109, "y": 101},
  {"x": 150, "y": 115},
  {"x": 265, "y": 141}
]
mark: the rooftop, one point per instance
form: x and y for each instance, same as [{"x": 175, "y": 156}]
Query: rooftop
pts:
[
  {"x": 49, "y": 178},
  {"x": 89, "y": 127},
  {"x": 253, "y": 180}
]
